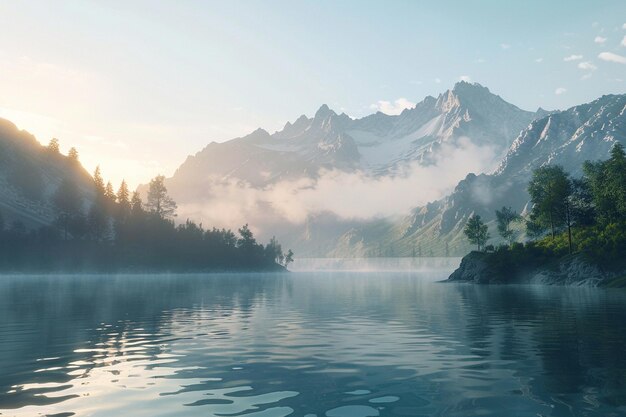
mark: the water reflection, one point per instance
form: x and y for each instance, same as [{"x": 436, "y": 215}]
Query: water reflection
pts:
[{"x": 309, "y": 343}]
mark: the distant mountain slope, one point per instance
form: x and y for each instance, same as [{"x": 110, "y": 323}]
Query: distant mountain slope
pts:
[
  {"x": 29, "y": 176},
  {"x": 378, "y": 144},
  {"x": 567, "y": 138}
]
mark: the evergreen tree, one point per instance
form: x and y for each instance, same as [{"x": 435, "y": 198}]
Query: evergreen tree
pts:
[
  {"x": 607, "y": 185},
  {"x": 123, "y": 201},
  {"x": 109, "y": 193},
  {"x": 505, "y": 217},
  {"x": 159, "y": 202},
  {"x": 136, "y": 205},
  {"x": 550, "y": 189},
  {"x": 53, "y": 146},
  {"x": 273, "y": 250},
  {"x": 247, "y": 240},
  {"x": 73, "y": 154},
  {"x": 476, "y": 231},
  {"x": 97, "y": 217},
  {"x": 98, "y": 181}
]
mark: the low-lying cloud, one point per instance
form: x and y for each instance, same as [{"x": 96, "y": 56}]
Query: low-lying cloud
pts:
[{"x": 353, "y": 195}]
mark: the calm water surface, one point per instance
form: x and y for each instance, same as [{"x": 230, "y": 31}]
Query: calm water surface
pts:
[{"x": 353, "y": 339}]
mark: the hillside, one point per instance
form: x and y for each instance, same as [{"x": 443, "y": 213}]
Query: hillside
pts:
[
  {"x": 29, "y": 176},
  {"x": 567, "y": 138}
]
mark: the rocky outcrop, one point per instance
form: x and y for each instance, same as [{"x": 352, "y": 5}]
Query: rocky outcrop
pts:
[
  {"x": 572, "y": 270},
  {"x": 474, "y": 268}
]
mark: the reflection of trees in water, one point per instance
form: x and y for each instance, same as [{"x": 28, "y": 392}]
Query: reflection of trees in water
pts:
[{"x": 575, "y": 335}]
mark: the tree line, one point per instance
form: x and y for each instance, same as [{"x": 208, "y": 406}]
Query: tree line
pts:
[
  {"x": 568, "y": 214},
  {"x": 118, "y": 231}
]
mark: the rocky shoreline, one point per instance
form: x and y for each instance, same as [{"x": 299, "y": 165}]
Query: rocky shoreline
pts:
[{"x": 572, "y": 270}]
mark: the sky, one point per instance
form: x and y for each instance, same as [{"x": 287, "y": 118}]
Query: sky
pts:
[{"x": 137, "y": 86}]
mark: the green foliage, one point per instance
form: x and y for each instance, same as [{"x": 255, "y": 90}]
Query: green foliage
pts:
[
  {"x": 593, "y": 209},
  {"x": 106, "y": 240},
  {"x": 288, "y": 258},
  {"x": 549, "y": 191},
  {"x": 476, "y": 231},
  {"x": 607, "y": 184},
  {"x": 98, "y": 182},
  {"x": 123, "y": 202},
  {"x": 159, "y": 202},
  {"x": 505, "y": 218}
]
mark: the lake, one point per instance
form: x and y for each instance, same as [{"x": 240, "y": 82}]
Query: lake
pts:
[{"x": 335, "y": 338}]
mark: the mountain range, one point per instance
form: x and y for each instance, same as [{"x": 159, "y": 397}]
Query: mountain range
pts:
[
  {"x": 378, "y": 144},
  {"x": 566, "y": 138},
  {"x": 255, "y": 177}
]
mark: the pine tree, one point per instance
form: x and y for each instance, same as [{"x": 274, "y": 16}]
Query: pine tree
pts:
[
  {"x": 247, "y": 239},
  {"x": 98, "y": 182},
  {"x": 505, "y": 217},
  {"x": 97, "y": 217},
  {"x": 122, "y": 198},
  {"x": 476, "y": 231},
  {"x": 159, "y": 202},
  {"x": 73, "y": 154},
  {"x": 53, "y": 146},
  {"x": 136, "y": 205},
  {"x": 108, "y": 192}
]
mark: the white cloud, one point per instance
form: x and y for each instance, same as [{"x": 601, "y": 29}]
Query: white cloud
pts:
[
  {"x": 560, "y": 90},
  {"x": 587, "y": 66},
  {"x": 624, "y": 26},
  {"x": 349, "y": 195},
  {"x": 505, "y": 46},
  {"x": 437, "y": 80},
  {"x": 599, "y": 39},
  {"x": 465, "y": 78},
  {"x": 573, "y": 58},
  {"x": 624, "y": 41},
  {"x": 611, "y": 57},
  {"x": 394, "y": 108},
  {"x": 539, "y": 60}
]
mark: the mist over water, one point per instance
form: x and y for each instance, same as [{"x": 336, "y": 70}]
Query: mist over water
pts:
[
  {"x": 413, "y": 265},
  {"x": 380, "y": 337}
]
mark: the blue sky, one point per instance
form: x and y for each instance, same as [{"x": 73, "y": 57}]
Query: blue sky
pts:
[{"x": 136, "y": 86}]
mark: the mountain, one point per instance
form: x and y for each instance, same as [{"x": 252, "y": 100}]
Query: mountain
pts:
[
  {"x": 567, "y": 138},
  {"x": 377, "y": 146},
  {"x": 29, "y": 176}
]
